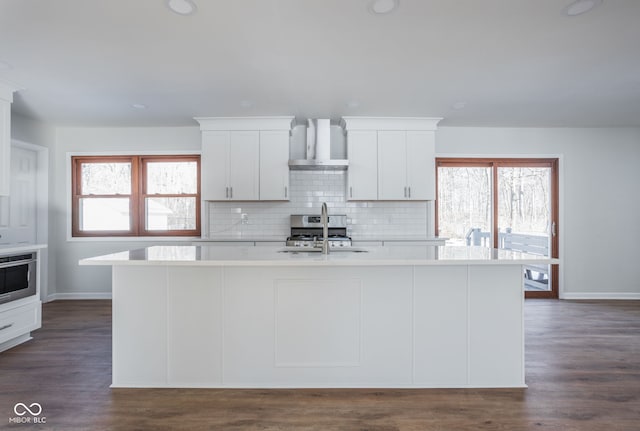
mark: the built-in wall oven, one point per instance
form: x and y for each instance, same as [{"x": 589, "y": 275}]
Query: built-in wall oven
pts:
[{"x": 17, "y": 276}]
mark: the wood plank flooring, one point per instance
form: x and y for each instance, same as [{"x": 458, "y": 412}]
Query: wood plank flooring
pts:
[{"x": 582, "y": 368}]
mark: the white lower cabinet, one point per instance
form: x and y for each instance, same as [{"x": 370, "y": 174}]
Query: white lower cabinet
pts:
[{"x": 19, "y": 321}]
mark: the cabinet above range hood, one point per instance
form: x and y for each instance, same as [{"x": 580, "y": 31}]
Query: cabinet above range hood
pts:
[{"x": 318, "y": 147}]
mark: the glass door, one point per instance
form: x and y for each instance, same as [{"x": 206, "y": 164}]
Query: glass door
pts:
[
  {"x": 525, "y": 216},
  {"x": 465, "y": 204},
  {"x": 502, "y": 203}
]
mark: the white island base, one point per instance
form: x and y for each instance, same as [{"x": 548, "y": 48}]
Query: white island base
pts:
[{"x": 230, "y": 325}]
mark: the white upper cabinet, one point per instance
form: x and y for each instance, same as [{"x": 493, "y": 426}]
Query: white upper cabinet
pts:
[
  {"x": 362, "y": 175},
  {"x": 400, "y": 161},
  {"x": 6, "y": 98},
  {"x": 274, "y": 168},
  {"x": 406, "y": 165},
  {"x": 243, "y": 166},
  {"x": 392, "y": 165},
  {"x": 421, "y": 165},
  {"x": 245, "y": 159}
]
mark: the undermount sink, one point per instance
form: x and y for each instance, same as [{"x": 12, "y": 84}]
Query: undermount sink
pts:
[{"x": 319, "y": 250}]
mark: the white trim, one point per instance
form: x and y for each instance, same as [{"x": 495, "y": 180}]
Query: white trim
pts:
[
  {"x": 153, "y": 239},
  {"x": 245, "y": 123},
  {"x": 42, "y": 208},
  {"x": 390, "y": 123},
  {"x": 601, "y": 295},
  {"x": 78, "y": 296}
]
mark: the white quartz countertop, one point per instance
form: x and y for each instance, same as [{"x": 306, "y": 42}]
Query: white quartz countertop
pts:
[
  {"x": 20, "y": 248},
  {"x": 275, "y": 256}
]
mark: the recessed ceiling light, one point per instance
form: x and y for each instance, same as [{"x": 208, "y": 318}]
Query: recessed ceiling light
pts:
[
  {"x": 382, "y": 7},
  {"x": 138, "y": 106},
  {"x": 182, "y": 7},
  {"x": 4, "y": 65},
  {"x": 459, "y": 105},
  {"x": 579, "y": 7}
]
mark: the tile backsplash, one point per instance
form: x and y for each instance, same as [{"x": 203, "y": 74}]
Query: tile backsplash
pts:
[{"x": 308, "y": 189}]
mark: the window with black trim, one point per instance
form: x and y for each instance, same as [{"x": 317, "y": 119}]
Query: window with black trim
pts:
[{"x": 135, "y": 196}]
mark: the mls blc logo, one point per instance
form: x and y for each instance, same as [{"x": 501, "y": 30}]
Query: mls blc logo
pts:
[{"x": 33, "y": 409}]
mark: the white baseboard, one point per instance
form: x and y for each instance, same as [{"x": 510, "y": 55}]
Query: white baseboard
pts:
[
  {"x": 600, "y": 295},
  {"x": 78, "y": 295}
]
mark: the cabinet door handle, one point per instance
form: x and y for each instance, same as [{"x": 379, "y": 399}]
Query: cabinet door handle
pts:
[
  {"x": 405, "y": 191},
  {"x": 285, "y": 191},
  {"x": 231, "y": 192},
  {"x": 409, "y": 194},
  {"x": 350, "y": 191},
  {"x": 226, "y": 192},
  {"x": 6, "y": 326}
]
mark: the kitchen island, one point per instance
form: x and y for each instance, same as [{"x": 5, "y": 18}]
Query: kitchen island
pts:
[{"x": 259, "y": 317}]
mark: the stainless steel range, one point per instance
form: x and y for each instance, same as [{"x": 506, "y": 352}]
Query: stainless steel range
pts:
[{"x": 306, "y": 231}]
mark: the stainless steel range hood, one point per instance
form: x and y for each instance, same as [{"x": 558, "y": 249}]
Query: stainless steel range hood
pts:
[{"x": 318, "y": 149}]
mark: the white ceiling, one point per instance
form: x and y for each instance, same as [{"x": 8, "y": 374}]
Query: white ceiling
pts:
[{"x": 514, "y": 62}]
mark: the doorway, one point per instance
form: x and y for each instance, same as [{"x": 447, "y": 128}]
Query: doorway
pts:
[{"x": 505, "y": 203}]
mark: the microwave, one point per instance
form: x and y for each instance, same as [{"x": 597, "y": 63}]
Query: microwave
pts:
[{"x": 17, "y": 276}]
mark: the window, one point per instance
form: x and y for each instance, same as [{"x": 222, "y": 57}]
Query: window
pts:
[{"x": 135, "y": 196}]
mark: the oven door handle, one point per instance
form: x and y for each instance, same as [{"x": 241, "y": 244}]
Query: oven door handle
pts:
[{"x": 16, "y": 263}]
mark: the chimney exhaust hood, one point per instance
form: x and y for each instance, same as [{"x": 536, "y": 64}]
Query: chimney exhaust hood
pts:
[{"x": 318, "y": 149}]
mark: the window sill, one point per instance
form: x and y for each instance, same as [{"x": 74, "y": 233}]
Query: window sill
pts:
[{"x": 132, "y": 238}]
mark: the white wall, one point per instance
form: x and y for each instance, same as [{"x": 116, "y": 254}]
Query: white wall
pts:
[
  {"x": 72, "y": 280},
  {"x": 600, "y": 205},
  {"x": 599, "y": 233}
]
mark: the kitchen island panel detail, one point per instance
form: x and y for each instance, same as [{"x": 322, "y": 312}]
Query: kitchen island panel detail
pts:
[
  {"x": 194, "y": 326},
  {"x": 496, "y": 328},
  {"x": 139, "y": 304},
  {"x": 260, "y": 344},
  {"x": 441, "y": 301},
  {"x": 296, "y": 326},
  {"x": 317, "y": 323}
]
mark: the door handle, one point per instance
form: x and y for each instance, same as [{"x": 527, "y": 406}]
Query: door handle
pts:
[
  {"x": 231, "y": 192},
  {"x": 409, "y": 194},
  {"x": 405, "y": 191},
  {"x": 350, "y": 191},
  {"x": 285, "y": 191},
  {"x": 226, "y": 192}
]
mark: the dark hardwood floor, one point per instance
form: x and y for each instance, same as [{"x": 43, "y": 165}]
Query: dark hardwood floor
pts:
[{"x": 582, "y": 368}]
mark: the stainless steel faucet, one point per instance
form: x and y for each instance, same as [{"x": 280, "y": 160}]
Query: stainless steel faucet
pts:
[{"x": 324, "y": 219}]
